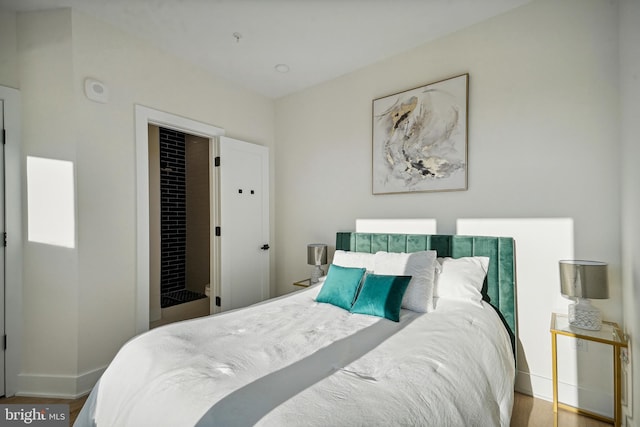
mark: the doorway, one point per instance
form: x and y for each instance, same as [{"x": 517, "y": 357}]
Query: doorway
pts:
[
  {"x": 2, "y": 245},
  {"x": 179, "y": 225},
  {"x": 11, "y": 256},
  {"x": 233, "y": 251}
]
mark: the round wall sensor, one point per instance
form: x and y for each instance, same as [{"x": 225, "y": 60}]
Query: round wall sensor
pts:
[{"x": 96, "y": 91}]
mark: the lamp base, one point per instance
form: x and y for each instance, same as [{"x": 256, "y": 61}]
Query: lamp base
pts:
[
  {"x": 316, "y": 274},
  {"x": 585, "y": 316}
]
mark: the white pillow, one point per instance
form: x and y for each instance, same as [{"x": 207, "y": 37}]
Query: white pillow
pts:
[
  {"x": 420, "y": 266},
  {"x": 354, "y": 259},
  {"x": 461, "y": 278}
]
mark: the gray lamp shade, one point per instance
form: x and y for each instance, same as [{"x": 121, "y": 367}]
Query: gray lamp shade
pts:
[
  {"x": 317, "y": 254},
  {"x": 584, "y": 279}
]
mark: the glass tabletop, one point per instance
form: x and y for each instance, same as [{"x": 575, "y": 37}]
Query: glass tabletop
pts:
[{"x": 609, "y": 334}]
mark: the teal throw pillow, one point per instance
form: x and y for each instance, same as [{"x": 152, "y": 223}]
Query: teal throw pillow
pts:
[
  {"x": 381, "y": 295},
  {"x": 340, "y": 286}
]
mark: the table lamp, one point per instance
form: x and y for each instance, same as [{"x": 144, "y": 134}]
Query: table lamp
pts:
[
  {"x": 316, "y": 256},
  {"x": 582, "y": 280}
]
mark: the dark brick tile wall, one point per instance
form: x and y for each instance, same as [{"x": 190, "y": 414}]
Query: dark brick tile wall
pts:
[{"x": 173, "y": 210}]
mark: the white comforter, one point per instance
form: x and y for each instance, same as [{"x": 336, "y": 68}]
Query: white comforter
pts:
[{"x": 292, "y": 362}]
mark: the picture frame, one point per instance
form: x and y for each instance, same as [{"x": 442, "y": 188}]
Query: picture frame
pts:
[{"x": 420, "y": 138}]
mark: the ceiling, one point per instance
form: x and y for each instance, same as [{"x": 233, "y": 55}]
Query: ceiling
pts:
[{"x": 317, "y": 39}]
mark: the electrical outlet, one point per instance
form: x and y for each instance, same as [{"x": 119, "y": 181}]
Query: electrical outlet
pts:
[{"x": 582, "y": 345}]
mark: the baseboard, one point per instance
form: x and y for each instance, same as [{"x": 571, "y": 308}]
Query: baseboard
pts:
[
  {"x": 534, "y": 385},
  {"x": 58, "y": 386},
  {"x": 542, "y": 388}
]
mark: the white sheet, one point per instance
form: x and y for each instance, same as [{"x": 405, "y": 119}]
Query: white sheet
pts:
[{"x": 295, "y": 362}]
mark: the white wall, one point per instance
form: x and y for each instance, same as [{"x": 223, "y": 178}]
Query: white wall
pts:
[
  {"x": 50, "y": 290},
  {"x": 8, "y": 49},
  {"x": 84, "y": 299},
  {"x": 543, "y": 139},
  {"x": 135, "y": 73},
  {"x": 630, "y": 111}
]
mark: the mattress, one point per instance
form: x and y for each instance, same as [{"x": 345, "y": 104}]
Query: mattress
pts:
[{"x": 292, "y": 361}]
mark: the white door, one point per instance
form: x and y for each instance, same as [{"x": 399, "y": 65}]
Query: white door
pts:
[
  {"x": 2, "y": 248},
  {"x": 243, "y": 188}
]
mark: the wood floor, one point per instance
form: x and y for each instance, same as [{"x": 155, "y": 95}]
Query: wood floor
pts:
[
  {"x": 532, "y": 412},
  {"x": 527, "y": 412}
]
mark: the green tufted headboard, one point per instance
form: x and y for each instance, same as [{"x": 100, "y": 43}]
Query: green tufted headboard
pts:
[{"x": 500, "y": 285}]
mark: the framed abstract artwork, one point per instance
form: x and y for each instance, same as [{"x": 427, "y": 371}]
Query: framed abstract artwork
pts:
[{"x": 420, "y": 138}]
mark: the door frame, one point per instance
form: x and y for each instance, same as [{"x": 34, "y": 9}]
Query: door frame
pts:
[
  {"x": 13, "y": 252},
  {"x": 143, "y": 117}
]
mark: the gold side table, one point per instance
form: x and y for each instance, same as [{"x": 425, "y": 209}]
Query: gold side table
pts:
[{"x": 609, "y": 334}]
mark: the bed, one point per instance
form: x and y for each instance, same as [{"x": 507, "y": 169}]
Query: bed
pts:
[{"x": 289, "y": 361}]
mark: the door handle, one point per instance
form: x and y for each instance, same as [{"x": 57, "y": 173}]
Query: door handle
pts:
[{"x": 265, "y": 247}]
